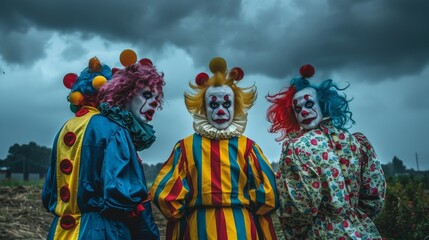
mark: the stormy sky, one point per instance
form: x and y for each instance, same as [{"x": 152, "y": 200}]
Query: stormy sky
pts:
[{"x": 379, "y": 47}]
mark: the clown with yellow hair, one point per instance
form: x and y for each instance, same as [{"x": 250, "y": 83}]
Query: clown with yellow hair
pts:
[{"x": 217, "y": 183}]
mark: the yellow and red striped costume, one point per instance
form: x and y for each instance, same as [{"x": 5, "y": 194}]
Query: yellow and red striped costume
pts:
[{"x": 216, "y": 189}]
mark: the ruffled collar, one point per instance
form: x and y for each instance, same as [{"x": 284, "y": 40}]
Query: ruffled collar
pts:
[
  {"x": 204, "y": 128},
  {"x": 325, "y": 125},
  {"x": 142, "y": 135}
]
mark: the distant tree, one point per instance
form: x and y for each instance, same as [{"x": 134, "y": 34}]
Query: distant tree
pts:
[
  {"x": 275, "y": 166},
  {"x": 151, "y": 171},
  {"x": 398, "y": 165},
  {"x": 27, "y": 158}
]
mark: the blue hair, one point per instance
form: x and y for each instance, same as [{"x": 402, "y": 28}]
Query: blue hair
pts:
[
  {"x": 84, "y": 81},
  {"x": 332, "y": 103}
]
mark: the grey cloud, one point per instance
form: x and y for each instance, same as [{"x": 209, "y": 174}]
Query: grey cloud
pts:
[
  {"x": 73, "y": 51},
  {"x": 381, "y": 39},
  {"x": 23, "y": 47}
]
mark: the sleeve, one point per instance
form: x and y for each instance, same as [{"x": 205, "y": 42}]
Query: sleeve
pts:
[
  {"x": 373, "y": 183},
  {"x": 263, "y": 192},
  {"x": 49, "y": 196},
  {"x": 123, "y": 177},
  {"x": 298, "y": 183},
  {"x": 170, "y": 189}
]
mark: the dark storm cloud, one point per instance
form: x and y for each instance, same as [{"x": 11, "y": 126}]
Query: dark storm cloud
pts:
[{"x": 378, "y": 39}]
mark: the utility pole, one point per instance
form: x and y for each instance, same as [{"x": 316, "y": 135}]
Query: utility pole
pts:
[{"x": 417, "y": 162}]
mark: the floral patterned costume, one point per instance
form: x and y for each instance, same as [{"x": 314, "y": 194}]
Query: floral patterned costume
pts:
[{"x": 331, "y": 185}]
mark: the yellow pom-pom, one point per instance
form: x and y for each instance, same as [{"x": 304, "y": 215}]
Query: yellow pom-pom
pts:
[
  {"x": 75, "y": 98},
  {"x": 128, "y": 57},
  {"x": 98, "y": 82},
  {"x": 217, "y": 64}
]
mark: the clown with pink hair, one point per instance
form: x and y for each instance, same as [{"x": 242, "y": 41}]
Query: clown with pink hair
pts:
[
  {"x": 95, "y": 186},
  {"x": 330, "y": 181}
]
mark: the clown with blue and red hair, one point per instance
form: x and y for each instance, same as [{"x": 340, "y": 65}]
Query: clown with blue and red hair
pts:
[
  {"x": 95, "y": 186},
  {"x": 330, "y": 181}
]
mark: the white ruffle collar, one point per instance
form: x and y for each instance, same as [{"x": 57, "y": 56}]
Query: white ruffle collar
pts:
[{"x": 203, "y": 127}]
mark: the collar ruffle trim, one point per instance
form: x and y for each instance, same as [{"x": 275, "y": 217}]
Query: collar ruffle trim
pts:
[
  {"x": 325, "y": 125},
  {"x": 142, "y": 135},
  {"x": 204, "y": 128}
]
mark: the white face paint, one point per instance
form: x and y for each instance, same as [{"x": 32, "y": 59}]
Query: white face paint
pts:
[
  {"x": 143, "y": 105},
  {"x": 307, "y": 109},
  {"x": 220, "y": 106}
]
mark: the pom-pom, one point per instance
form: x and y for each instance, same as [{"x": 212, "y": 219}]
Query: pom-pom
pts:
[
  {"x": 94, "y": 65},
  {"x": 236, "y": 73},
  {"x": 146, "y": 61},
  {"x": 307, "y": 71},
  {"x": 128, "y": 57},
  {"x": 98, "y": 82},
  {"x": 201, "y": 78},
  {"x": 114, "y": 70},
  {"x": 73, "y": 108},
  {"x": 217, "y": 64},
  {"x": 69, "y": 79},
  {"x": 75, "y": 98}
]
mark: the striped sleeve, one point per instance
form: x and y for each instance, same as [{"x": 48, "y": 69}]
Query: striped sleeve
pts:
[
  {"x": 170, "y": 187},
  {"x": 263, "y": 192}
]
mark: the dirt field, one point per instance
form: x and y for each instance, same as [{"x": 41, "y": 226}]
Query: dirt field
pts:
[{"x": 22, "y": 215}]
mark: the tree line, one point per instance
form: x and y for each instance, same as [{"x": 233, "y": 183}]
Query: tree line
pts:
[{"x": 33, "y": 158}]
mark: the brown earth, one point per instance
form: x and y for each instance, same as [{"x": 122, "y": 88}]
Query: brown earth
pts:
[{"x": 22, "y": 215}]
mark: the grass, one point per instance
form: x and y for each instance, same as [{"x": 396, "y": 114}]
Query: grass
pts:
[{"x": 16, "y": 183}]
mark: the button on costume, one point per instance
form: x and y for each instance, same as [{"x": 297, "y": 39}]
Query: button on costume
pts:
[
  {"x": 95, "y": 182},
  {"x": 330, "y": 181},
  {"x": 217, "y": 183}
]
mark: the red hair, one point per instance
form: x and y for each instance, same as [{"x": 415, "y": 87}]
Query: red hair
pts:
[{"x": 281, "y": 114}]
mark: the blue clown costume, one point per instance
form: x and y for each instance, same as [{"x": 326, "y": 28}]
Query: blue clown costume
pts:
[{"x": 95, "y": 179}]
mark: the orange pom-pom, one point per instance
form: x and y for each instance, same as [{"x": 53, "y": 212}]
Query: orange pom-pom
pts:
[
  {"x": 94, "y": 65},
  {"x": 76, "y": 98},
  {"x": 98, "y": 82},
  {"x": 217, "y": 64},
  {"x": 128, "y": 57}
]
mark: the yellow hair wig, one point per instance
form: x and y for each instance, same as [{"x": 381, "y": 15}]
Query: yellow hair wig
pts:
[{"x": 244, "y": 98}]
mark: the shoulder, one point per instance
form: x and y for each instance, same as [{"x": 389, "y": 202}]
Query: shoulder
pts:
[
  {"x": 101, "y": 121},
  {"x": 362, "y": 140}
]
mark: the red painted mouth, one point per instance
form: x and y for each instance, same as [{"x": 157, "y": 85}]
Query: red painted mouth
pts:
[
  {"x": 220, "y": 121},
  {"x": 308, "y": 120},
  {"x": 149, "y": 114}
]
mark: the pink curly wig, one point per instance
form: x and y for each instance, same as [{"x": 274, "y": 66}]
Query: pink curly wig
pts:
[{"x": 127, "y": 82}]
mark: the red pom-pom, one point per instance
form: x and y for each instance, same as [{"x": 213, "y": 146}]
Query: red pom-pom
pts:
[
  {"x": 307, "y": 71},
  {"x": 114, "y": 70},
  {"x": 237, "y": 73},
  {"x": 69, "y": 79},
  {"x": 146, "y": 61},
  {"x": 201, "y": 78}
]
